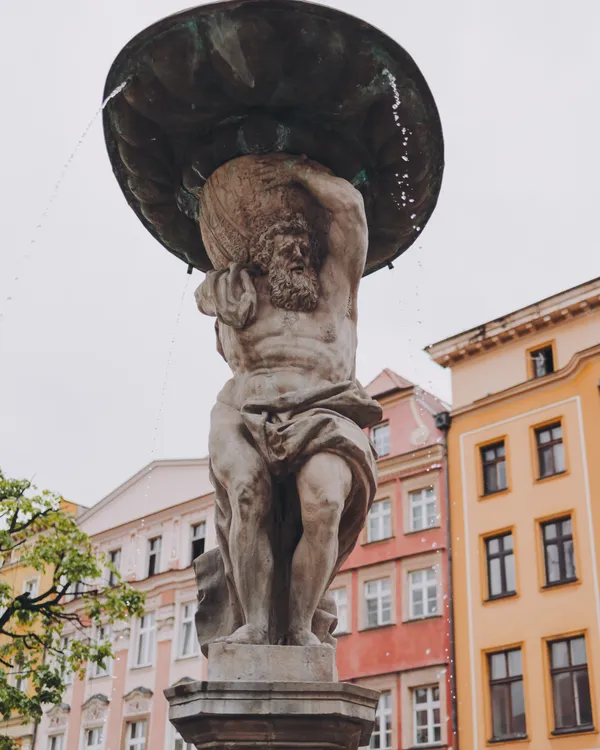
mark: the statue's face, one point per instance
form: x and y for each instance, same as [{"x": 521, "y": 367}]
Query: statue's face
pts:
[
  {"x": 293, "y": 280},
  {"x": 293, "y": 251}
]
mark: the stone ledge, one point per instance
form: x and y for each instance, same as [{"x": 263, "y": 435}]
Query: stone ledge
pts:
[{"x": 292, "y": 715}]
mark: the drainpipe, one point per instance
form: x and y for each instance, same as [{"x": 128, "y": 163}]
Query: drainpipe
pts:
[{"x": 443, "y": 420}]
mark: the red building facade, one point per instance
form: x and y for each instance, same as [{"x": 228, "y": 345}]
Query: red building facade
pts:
[{"x": 393, "y": 631}]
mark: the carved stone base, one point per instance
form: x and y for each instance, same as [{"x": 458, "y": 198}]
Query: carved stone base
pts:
[{"x": 286, "y": 716}]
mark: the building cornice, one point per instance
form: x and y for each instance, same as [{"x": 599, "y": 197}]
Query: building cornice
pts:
[
  {"x": 552, "y": 311},
  {"x": 412, "y": 461},
  {"x": 576, "y": 363}
]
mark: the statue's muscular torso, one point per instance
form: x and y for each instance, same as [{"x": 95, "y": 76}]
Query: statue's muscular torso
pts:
[{"x": 282, "y": 351}]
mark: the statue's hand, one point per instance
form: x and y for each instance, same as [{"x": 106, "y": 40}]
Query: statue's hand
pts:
[{"x": 280, "y": 170}]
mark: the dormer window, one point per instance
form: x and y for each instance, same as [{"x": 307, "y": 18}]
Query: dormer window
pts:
[
  {"x": 542, "y": 361},
  {"x": 380, "y": 435}
]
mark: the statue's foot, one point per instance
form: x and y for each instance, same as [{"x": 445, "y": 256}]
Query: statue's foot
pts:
[
  {"x": 248, "y": 634},
  {"x": 303, "y": 638}
]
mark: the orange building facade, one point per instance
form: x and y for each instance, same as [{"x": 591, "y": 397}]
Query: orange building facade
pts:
[
  {"x": 524, "y": 467},
  {"x": 393, "y": 632}
]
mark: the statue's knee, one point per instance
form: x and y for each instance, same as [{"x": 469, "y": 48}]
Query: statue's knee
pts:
[{"x": 321, "y": 516}]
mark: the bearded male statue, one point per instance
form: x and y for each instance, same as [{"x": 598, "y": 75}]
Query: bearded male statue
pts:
[{"x": 293, "y": 470}]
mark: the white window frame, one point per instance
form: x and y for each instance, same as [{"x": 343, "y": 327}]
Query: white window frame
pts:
[
  {"x": 429, "y": 706},
  {"x": 195, "y": 535},
  {"x": 101, "y": 634},
  {"x": 384, "y": 711},
  {"x": 99, "y": 729},
  {"x": 379, "y": 521},
  {"x": 56, "y": 745},
  {"x": 341, "y": 604},
  {"x": 64, "y": 646},
  {"x": 421, "y": 500},
  {"x": 423, "y": 580},
  {"x": 157, "y": 553},
  {"x": 35, "y": 589},
  {"x": 136, "y": 743},
  {"x": 117, "y": 552},
  {"x": 146, "y": 635},
  {"x": 187, "y": 623},
  {"x": 379, "y": 590},
  {"x": 382, "y": 429}
]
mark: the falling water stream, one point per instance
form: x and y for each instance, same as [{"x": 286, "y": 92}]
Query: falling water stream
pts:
[{"x": 42, "y": 220}]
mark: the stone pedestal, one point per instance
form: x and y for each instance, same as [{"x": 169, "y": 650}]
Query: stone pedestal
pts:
[
  {"x": 283, "y": 697},
  {"x": 283, "y": 715}
]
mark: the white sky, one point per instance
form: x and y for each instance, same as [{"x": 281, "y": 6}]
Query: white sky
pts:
[{"x": 84, "y": 341}]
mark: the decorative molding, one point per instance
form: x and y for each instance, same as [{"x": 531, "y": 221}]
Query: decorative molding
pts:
[
  {"x": 138, "y": 701},
  {"x": 58, "y": 716},
  {"x": 94, "y": 710}
]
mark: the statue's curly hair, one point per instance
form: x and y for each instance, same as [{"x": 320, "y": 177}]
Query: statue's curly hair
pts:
[{"x": 287, "y": 222}]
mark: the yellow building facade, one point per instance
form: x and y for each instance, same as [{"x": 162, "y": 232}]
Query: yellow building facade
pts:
[
  {"x": 21, "y": 579},
  {"x": 524, "y": 480}
]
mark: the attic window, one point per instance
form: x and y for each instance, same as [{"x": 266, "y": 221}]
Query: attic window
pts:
[{"x": 542, "y": 361}]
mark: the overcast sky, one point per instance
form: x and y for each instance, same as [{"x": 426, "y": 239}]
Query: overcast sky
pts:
[{"x": 85, "y": 340}]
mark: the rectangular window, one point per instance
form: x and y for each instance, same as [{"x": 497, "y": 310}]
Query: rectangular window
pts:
[
  {"x": 426, "y": 715},
  {"x": 56, "y": 742},
  {"x": 146, "y": 637},
  {"x": 102, "y": 636},
  {"x": 379, "y": 521},
  {"x": 381, "y": 737},
  {"x": 570, "y": 685},
  {"x": 65, "y": 647},
  {"x": 542, "y": 361},
  {"x": 31, "y": 587},
  {"x": 378, "y": 600},
  {"x": 154, "y": 547},
  {"x": 500, "y": 557},
  {"x": 506, "y": 694},
  {"x": 423, "y": 509},
  {"x": 380, "y": 435},
  {"x": 423, "y": 593},
  {"x": 188, "y": 641},
  {"x": 493, "y": 462},
  {"x": 136, "y": 735},
  {"x": 180, "y": 744},
  {"x": 198, "y": 539},
  {"x": 550, "y": 449},
  {"x": 559, "y": 554},
  {"x": 93, "y": 738},
  {"x": 341, "y": 605},
  {"x": 114, "y": 557}
]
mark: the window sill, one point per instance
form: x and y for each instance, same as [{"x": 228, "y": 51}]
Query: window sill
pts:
[
  {"x": 187, "y": 656},
  {"x": 348, "y": 632},
  {"x": 426, "y": 747},
  {"x": 559, "y": 584},
  {"x": 377, "y": 541},
  {"x": 424, "y": 617},
  {"x": 424, "y": 530},
  {"x": 587, "y": 729},
  {"x": 500, "y": 597},
  {"x": 142, "y": 666},
  {"x": 99, "y": 676},
  {"x": 510, "y": 738},
  {"x": 486, "y": 495},
  {"x": 539, "y": 480},
  {"x": 376, "y": 627}
]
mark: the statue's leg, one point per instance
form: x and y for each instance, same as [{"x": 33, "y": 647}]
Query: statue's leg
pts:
[
  {"x": 242, "y": 473},
  {"x": 324, "y": 483}
]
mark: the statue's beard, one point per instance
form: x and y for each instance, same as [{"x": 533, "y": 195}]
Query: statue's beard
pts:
[{"x": 293, "y": 290}]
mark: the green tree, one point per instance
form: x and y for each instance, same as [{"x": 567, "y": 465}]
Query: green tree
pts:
[{"x": 36, "y": 533}]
